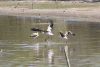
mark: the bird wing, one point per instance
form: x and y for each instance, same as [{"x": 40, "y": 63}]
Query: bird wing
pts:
[
  {"x": 35, "y": 29},
  {"x": 66, "y": 33},
  {"x": 51, "y": 25},
  {"x": 72, "y": 33},
  {"x": 62, "y": 35},
  {"x": 69, "y": 32},
  {"x": 49, "y": 28},
  {"x": 33, "y": 35}
]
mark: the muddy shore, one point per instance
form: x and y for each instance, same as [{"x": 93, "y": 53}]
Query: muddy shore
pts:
[{"x": 87, "y": 13}]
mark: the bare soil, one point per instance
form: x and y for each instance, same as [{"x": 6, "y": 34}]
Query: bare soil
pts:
[{"x": 89, "y": 13}]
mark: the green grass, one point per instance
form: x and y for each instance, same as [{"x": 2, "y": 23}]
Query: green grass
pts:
[{"x": 49, "y": 5}]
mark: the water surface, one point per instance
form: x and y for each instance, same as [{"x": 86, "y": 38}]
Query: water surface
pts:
[{"x": 19, "y": 50}]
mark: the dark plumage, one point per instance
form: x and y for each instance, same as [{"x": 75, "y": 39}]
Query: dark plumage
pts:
[
  {"x": 35, "y": 29},
  {"x": 51, "y": 24},
  {"x": 62, "y": 35},
  {"x": 47, "y": 32},
  {"x": 69, "y": 32},
  {"x": 65, "y": 36}
]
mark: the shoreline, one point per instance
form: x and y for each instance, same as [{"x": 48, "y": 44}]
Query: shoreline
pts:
[{"x": 88, "y": 14}]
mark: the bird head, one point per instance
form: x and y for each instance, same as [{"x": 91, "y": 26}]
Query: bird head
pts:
[{"x": 59, "y": 32}]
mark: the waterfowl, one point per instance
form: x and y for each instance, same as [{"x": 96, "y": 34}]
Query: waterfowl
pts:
[
  {"x": 34, "y": 35},
  {"x": 65, "y": 36}
]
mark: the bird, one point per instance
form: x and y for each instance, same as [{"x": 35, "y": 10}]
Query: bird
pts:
[
  {"x": 50, "y": 26},
  {"x": 65, "y": 36},
  {"x": 47, "y": 32},
  {"x": 34, "y": 35}
]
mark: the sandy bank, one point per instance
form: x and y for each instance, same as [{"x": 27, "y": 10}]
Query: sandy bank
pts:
[{"x": 89, "y": 13}]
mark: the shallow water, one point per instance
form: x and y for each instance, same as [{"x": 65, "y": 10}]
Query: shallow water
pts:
[{"x": 19, "y": 50}]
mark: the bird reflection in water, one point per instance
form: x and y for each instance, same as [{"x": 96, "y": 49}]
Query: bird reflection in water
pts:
[
  {"x": 62, "y": 48},
  {"x": 0, "y": 51},
  {"x": 35, "y": 46},
  {"x": 49, "y": 43},
  {"x": 51, "y": 56},
  {"x": 70, "y": 50},
  {"x": 65, "y": 50}
]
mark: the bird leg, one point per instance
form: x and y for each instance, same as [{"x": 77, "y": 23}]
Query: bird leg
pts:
[
  {"x": 46, "y": 38},
  {"x": 51, "y": 39},
  {"x": 63, "y": 41},
  {"x": 33, "y": 39},
  {"x": 66, "y": 42}
]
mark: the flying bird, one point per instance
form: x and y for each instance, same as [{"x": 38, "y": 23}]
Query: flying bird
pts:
[
  {"x": 47, "y": 32},
  {"x": 50, "y": 26},
  {"x": 34, "y": 35},
  {"x": 65, "y": 36}
]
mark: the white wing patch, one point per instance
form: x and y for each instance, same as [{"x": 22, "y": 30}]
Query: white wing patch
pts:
[
  {"x": 66, "y": 33},
  {"x": 49, "y": 28}
]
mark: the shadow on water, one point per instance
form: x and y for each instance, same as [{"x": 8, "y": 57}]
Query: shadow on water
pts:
[{"x": 19, "y": 50}]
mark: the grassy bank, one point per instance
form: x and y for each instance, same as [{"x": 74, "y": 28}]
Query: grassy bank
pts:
[{"x": 49, "y": 5}]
